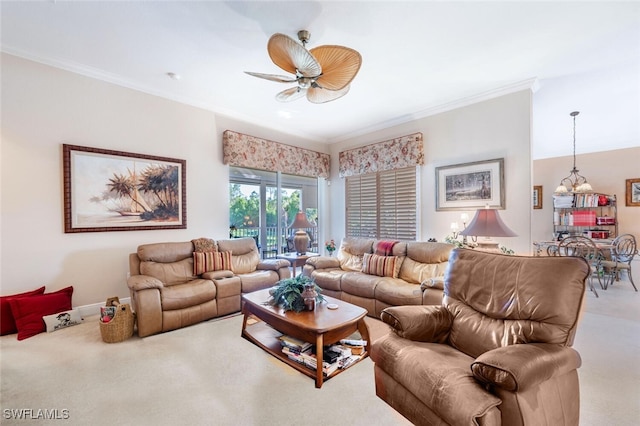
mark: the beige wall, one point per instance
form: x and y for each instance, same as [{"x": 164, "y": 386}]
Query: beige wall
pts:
[
  {"x": 606, "y": 172},
  {"x": 497, "y": 128}
]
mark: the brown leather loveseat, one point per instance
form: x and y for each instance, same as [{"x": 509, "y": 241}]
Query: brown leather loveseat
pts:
[
  {"x": 167, "y": 292},
  {"x": 496, "y": 352}
]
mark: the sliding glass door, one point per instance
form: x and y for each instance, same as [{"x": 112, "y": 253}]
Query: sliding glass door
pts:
[{"x": 263, "y": 204}]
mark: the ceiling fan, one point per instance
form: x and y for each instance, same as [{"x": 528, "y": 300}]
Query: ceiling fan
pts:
[{"x": 323, "y": 73}]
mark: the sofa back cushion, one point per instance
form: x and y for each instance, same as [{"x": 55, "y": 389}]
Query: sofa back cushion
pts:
[
  {"x": 171, "y": 263},
  {"x": 244, "y": 254},
  {"x": 498, "y": 300},
  {"x": 424, "y": 260},
  {"x": 351, "y": 252}
]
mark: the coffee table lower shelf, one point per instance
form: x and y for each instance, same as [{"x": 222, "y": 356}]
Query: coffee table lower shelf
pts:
[{"x": 266, "y": 337}]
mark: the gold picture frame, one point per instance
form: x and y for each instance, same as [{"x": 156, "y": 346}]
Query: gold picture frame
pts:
[
  {"x": 633, "y": 193},
  {"x": 537, "y": 196}
]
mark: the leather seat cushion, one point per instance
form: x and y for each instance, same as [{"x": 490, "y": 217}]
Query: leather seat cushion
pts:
[
  {"x": 438, "y": 375},
  {"x": 328, "y": 279},
  {"x": 258, "y": 280},
  {"x": 189, "y": 294},
  {"x": 396, "y": 292},
  {"x": 360, "y": 284}
]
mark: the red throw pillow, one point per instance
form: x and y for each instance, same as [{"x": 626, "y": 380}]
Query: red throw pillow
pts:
[
  {"x": 28, "y": 311},
  {"x": 7, "y": 323}
]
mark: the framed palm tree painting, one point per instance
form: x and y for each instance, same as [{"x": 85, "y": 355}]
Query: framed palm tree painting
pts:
[{"x": 107, "y": 190}]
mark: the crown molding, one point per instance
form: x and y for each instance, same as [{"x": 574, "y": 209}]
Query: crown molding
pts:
[{"x": 529, "y": 84}]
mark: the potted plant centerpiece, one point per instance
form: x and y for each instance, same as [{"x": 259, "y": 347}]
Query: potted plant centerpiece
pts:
[{"x": 290, "y": 294}]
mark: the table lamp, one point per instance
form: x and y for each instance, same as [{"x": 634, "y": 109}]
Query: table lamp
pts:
[
  {"x": 487, "y": 223},
  {"x": 301, "y": 238}
]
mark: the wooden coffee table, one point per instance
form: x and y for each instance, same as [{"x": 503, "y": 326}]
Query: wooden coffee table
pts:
[{"x": 322, "y": 326}]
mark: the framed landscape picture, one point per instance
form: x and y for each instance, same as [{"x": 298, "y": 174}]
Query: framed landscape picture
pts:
[
  {"x": 470, "y": 185},
  {"x": 107, "y": 190},
  {"x": 633, "y": 192}
]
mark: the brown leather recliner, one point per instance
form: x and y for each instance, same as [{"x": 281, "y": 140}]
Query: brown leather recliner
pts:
[{"x": 496, "y": 352}]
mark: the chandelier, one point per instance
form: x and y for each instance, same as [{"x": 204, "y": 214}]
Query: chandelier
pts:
[{"x": 575, "y": 182}]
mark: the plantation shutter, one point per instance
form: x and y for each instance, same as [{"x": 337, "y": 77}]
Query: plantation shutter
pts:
[
  {"x": 382, "y": 205},
  {"x": 361, "y": 206},
  {"x": 397, "y": 204}
]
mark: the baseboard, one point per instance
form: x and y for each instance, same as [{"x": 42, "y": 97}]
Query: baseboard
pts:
[{"x": 94, "y": 309}]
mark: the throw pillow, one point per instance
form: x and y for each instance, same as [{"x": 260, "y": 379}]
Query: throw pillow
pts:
[
  {"x": 62, "y": 320},
  {"x": 382, "y": 266},
  {"x": 28, "y": 311},
  {"x": 211, "y": 261},
  {"x": 7, "y": 322}
]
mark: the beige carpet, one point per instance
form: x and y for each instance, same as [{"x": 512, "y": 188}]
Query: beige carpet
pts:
[
  {"x": 200, "y": 375},
  {"x": 208, "y": 375}
]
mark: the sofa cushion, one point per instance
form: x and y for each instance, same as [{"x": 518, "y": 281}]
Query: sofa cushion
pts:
[
  {"x": 7, "y": 322},
  {"x": 211, "y": 261},
  {"x": 245, "y": 257},
  {"x": 165, "y": 252},
  {"x": 329, "y": 279},
  {"x": 396, "y": 292},
  {"x": 360, "y": 284},
  {"x": 351, "y": 252},
  {"x": 438, "y": 375},
  {"x": 382, "y": 266},
  {"x": 185, "y": 295},
  {"x": 258, "y": 280},
  {"x": 424, "y": 260},
  {"x": 170, "y": 273}
]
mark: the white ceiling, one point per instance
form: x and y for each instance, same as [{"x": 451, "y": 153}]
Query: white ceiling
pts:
[{"x": 418, "y": 58}]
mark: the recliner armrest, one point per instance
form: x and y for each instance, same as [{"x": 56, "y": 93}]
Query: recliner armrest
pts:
[
  {"x": 420, "y": 323},
  {"x": 273, "y": 264},
  {"x": 518, "y": 367},
  {"x": 142, "y": 282},
  {"x": 323, "y": 262}
]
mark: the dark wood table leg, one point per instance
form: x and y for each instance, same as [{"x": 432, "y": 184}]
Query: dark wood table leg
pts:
[{"x": 319, "y": 354}]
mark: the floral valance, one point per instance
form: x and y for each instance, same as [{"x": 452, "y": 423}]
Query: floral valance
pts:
[
  {"x": 249, "y": 151},
  {"x": 398, "y": 153}
]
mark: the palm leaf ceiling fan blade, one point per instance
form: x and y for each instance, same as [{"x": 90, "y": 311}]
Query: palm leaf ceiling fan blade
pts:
[
  {"x": 291, "y": 94},
  {"x": 273, "y": 77},
  {"x": 339, "y": 65},
  {"x": 318, "y": 95},
  {"x": 291, "y": 56}
]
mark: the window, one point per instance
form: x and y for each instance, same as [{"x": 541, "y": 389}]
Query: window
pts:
[{"x": 382, "y": 205}]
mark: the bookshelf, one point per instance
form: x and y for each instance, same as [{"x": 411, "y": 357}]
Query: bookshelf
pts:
[{"x": 593, "y": 215}]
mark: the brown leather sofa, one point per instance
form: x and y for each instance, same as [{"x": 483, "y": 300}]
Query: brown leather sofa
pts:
[
  {"x": 166, "y": 294},
  {"x": 496, "y": 352},
  {"x": 416, "y": 266}
]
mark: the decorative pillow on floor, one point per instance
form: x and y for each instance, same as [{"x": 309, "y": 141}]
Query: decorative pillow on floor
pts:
[
  {"x": 28, "y": 311},
  {"x": 7, "y": 323},
  {"x": 62, "y": 320},
  {"x": 211, "y": 261}
]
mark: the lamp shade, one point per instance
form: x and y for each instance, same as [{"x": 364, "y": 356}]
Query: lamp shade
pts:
[
  {"x": 301, "y": 221},
  {"x": 487, "y": 223}
]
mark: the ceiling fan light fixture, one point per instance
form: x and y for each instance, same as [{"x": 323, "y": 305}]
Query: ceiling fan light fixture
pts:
[{"x": 323, "y": 73}]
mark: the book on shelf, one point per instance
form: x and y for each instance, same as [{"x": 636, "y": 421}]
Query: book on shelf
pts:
[
  {"x": 334, "y": 357},
  {"x": 294, "y": 343}
]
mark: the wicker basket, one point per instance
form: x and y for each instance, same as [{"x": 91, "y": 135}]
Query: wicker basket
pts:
[{"x": 121, "y": 326}]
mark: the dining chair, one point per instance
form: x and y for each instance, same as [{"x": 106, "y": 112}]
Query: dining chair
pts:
[
  {"x": 622, "y": 253},
  {"x": 579, "y": 246}
]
